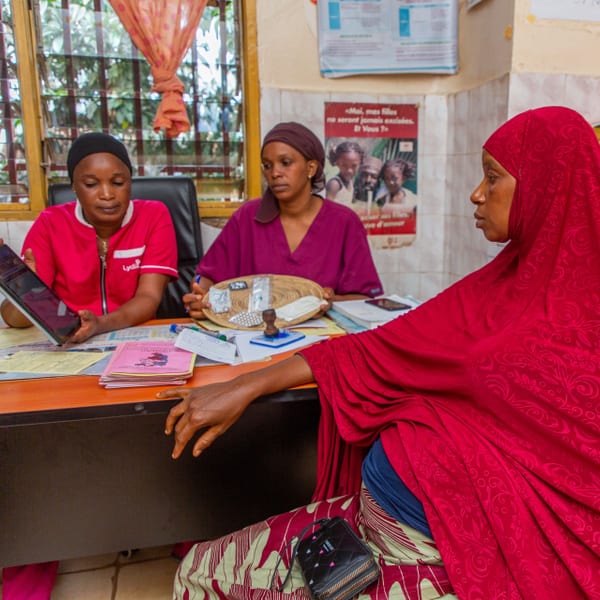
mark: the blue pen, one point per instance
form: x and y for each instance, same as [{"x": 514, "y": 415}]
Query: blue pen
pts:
[
  {"x": 175, "y": 328},
  {"x": 197, "y": 278}
]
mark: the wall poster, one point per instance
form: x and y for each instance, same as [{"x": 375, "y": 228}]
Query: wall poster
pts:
[
  {"x": 371, "y": 166},
  {"x": 387, "y": 36}
]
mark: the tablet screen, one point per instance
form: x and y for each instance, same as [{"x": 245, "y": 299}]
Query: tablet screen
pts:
[{"x": 35, "y": 299}]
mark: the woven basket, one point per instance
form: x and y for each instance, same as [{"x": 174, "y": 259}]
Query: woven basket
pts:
[{"x": 284, "y": 289}]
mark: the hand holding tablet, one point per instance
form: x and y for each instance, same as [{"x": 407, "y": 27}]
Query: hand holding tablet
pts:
[{"x": 39, "y": 303}]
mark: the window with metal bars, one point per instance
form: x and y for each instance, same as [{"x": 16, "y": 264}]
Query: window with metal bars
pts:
[{"x": 92, "y": 78}]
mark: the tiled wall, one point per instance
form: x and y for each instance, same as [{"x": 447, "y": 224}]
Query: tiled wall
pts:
[
  {"x": 451, "y": 132},
  {"x": 13, "y": 233}
]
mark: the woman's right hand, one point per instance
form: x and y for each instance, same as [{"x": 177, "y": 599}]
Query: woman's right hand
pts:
[
  {"x": 196, "y": 301},
  {"x": 215, "y": 407}
]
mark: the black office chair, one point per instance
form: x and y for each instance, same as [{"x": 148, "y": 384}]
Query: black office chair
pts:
[{"x": 179, "y": 194}]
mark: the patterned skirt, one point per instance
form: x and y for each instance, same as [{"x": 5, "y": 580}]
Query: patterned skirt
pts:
[{"x": 241, "y": 565}]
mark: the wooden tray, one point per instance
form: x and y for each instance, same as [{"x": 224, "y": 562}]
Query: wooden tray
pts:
[{"x": 284, "y": 289}]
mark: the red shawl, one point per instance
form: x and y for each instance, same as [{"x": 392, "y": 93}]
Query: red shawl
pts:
[{"x": 487, "y": 397}]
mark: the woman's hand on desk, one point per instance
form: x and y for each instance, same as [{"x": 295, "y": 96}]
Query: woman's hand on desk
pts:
[{"x": 218, "y": 406}]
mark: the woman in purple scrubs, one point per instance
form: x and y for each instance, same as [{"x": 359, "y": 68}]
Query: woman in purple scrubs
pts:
[{"x": 292, "y": 229}]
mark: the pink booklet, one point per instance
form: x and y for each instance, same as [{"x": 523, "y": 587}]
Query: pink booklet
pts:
[{"x": 148, "y": 363}]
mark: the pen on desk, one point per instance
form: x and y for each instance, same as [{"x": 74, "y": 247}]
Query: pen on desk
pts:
[{"x": 175, "y": 328}]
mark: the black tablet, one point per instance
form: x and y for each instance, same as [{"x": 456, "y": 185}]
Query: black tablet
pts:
[{"x": 35, "y": 299}]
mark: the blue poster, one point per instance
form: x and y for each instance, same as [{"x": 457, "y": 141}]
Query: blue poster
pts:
[{"x": 361, "y": 37}]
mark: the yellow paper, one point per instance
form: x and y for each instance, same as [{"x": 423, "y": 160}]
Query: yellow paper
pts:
[
  {"x": 11, "y": 336},
  {"x": 57, "y": 363}
]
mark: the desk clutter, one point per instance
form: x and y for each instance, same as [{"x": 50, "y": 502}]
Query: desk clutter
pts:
[
  {"x": 148, "y": 355},
  {"x": 166, "y": 354},
  {"x": 238, "y": 303}
]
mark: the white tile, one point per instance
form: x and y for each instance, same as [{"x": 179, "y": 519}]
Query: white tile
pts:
[
  {"x": 460, "y": 123},
  {"x": 433, "y": 126},
  {"x": 431, "y": 284},
  {"x": 582, "y": 94},
  {"x": 308, "y": 109},
  {"x": 431, "y": 245},
  {"x": 17, "y": 230},
  {"x": 270, "y": 109},
  {"x": 401, "y": 283},
  {"x": 532, "y": 90}
]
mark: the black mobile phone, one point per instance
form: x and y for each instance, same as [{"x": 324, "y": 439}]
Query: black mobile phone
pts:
[{"x": 388, "y": 304}]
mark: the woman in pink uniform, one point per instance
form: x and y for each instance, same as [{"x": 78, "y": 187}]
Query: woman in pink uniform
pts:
[{"x": 108, "y": 257}]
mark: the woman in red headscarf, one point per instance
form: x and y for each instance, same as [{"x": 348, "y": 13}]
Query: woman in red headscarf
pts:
[
  {"x": 292, "y": 229},
  {"x": 484, "y": 401}
]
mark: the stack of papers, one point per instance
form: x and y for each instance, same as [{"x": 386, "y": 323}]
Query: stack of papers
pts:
[
  {"x": 139, "y": 363},
  {"x": 370, "y": 316}
]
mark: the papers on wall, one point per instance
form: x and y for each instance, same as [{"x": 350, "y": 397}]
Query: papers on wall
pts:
[
  {"x": 139, "y": 363},
  {"x": 370, "y": 316},
  {"x": 366, "y": 37}
]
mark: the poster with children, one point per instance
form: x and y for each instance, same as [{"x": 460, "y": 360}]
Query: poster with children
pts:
[{"x": 371, "y": 166}]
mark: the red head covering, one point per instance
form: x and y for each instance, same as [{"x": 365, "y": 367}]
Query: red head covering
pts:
[
  {"x": 307, "y": 143},
  {"x": 487, "y": 397}
]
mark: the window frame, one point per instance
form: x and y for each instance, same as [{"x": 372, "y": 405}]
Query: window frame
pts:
[{"x": 32, "y": 117}]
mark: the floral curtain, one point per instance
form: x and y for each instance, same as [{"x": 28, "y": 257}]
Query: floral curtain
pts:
[{"x": 163, "y": 30}]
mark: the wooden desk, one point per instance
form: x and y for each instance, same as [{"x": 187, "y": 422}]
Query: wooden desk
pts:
[{"x": 86, "y": 471}]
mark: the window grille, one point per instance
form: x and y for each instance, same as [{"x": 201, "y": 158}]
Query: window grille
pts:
[
  {"x": 13, "y": 170},
  {"x": 92, "y": 78}
]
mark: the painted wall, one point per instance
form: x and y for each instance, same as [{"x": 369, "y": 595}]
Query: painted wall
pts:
[{"x": 555, "y": 46}]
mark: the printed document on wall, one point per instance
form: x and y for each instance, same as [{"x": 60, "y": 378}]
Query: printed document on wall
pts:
[{"x": 358, "y": 37}]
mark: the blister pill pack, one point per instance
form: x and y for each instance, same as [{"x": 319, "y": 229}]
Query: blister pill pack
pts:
[{"x": 247, "y": 319}]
